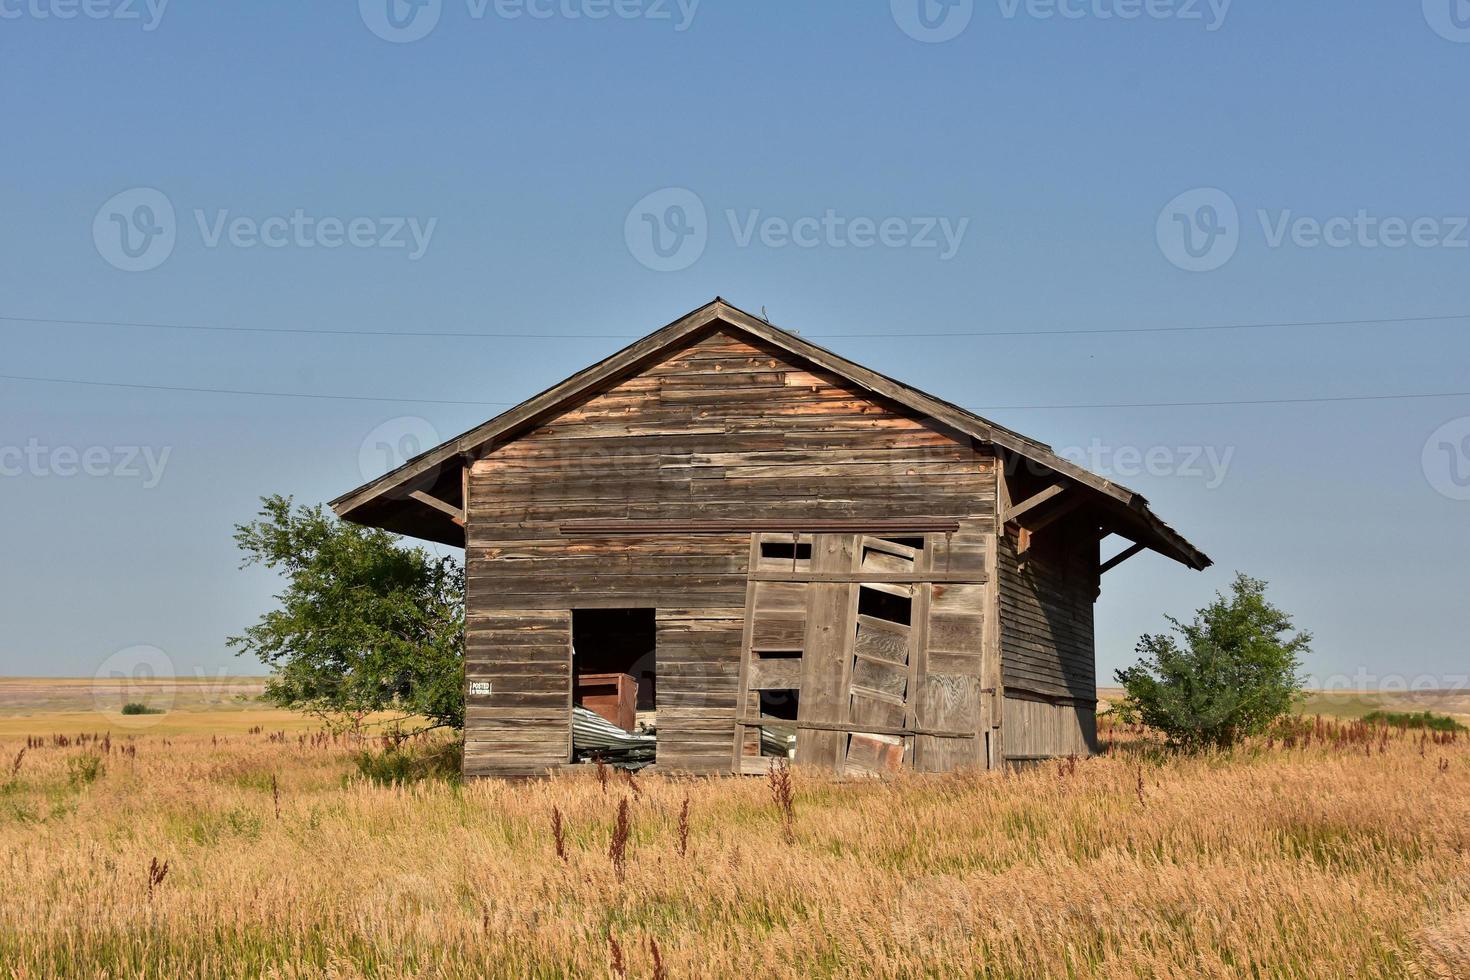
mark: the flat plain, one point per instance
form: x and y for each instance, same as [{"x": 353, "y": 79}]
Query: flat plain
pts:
[
  {"x": 202, "y": 705},
  {"x": 203, "y": 843}
]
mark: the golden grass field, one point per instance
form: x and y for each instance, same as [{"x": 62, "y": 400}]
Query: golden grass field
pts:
[
  {"x": 1330, "y": 859},
  {"x": 200, "y": 705}
]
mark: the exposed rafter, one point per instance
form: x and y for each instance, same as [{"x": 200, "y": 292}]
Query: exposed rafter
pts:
[
  {"x": 1033, "y": 502},
  {"x": 455, "y": 513},
  {"x": 1120, "y": 558}
]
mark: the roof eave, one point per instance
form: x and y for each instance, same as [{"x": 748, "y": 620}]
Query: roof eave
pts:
[{"x": 470, "y": 442}]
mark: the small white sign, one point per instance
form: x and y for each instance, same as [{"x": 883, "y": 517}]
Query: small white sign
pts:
[{"x": 479, "y": 687}]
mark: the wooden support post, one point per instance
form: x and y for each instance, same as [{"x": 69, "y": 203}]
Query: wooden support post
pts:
[{"x": 464, "y": 492}]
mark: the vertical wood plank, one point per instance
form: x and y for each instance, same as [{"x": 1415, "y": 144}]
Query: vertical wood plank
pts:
[
  {"x": 992, "y": 675},
  {"x": 919, "y": 649},
  {"x": 747, "y": 639},
  {"x": 831, "y": 629}
]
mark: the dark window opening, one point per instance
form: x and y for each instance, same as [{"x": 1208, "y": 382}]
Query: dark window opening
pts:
[
  {"x": 788, "y": 550},
  {"x": 778, "y": 741},
  {"x": 780, "y": 704},
  {"x": 916, "y": 543},
  {"x": 885, "y": 605}
]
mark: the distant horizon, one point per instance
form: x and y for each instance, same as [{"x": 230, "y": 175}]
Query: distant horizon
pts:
[{"x": 1310, "y": 687}]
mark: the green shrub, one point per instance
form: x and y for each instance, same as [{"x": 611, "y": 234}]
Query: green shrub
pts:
[
  {"x": 1410, "y": 719},
  {"x": 409, "y": 763},
  {"x": 138, "y": 708},
  {"x": 1235, "y": 672}
]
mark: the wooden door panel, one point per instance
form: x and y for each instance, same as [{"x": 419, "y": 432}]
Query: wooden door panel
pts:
[
  {"x": 825, "y": 672},
  {"x": 882, "y": 640},
  {"x": 880, "y": 679},
  {"x": 909, "y": 663},
  {"x": 876, "y": 712}
]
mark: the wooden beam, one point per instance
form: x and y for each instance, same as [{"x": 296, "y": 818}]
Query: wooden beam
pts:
[
  {"x": 1120, "y": 558},
  {"x": 1031, "y": 503},
  {"x": 915, "y": 525},
  {"x": 871, "y": 578},
  {"x": 851, "y": 727},
  {"x": 455, "y": 513}
]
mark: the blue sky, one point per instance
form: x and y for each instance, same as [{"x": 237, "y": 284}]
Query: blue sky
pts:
[{"x": 1067, "y": 155}]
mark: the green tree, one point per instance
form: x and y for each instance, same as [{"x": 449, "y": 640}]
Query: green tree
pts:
[
  {"x": 364, "y": 625},
  {"x": 1236, "y": 671}
]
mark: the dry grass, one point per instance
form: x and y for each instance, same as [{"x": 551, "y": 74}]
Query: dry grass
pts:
[{"x": 192, "y": 856}]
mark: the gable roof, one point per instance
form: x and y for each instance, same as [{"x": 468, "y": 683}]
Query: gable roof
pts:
[{"x": 1129, "y": 510}]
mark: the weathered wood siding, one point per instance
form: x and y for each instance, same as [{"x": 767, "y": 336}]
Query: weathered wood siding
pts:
[
  {"x": 1038, "y": 730},
  {"x": 722, "y": 427},
  {"x": 523, "y": 726},
  {"x": 1048, "y": 659},
  {"x": 698, "y": 674},
  {"x": 1046, "y": 603}
]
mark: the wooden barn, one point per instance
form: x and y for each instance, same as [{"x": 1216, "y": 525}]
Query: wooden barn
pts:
[{"x": 752, "y": 547}]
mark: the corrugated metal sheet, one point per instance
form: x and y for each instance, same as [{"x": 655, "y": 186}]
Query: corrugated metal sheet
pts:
[
  {"x": 778, "y": 740},
  {"x": 593, "y": 733}
]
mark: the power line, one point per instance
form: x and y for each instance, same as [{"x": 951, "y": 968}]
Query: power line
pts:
[
  {"x": 320, "y": 331},
  {"x": 242, "y": 391},
  {"x": 1329, "y": 399},
  {"x": 1201, "y": 328},
  {"x": 1242, "y": 401},
  {"x": 484, "y": 335}
]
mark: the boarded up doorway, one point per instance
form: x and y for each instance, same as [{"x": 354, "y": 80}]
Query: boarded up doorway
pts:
[{"x": 843, "y": 627}]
